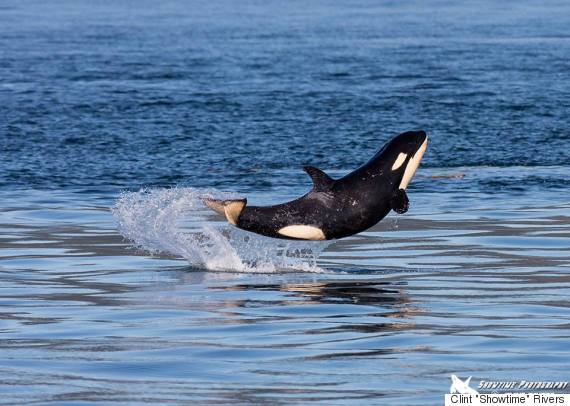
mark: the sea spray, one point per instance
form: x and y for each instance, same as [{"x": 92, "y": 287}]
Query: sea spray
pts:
[{"x": 175, "y": 221}]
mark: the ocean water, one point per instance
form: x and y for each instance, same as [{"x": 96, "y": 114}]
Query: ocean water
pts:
[{"x": 118, "y": 287}]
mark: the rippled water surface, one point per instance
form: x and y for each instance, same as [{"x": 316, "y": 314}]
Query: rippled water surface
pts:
[{"x": 99, "y": 99}]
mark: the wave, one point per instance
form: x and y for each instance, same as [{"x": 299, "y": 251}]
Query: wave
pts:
[{"x": 175, "y": 221}]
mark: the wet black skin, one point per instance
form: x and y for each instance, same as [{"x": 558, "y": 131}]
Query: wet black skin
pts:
[{"x": 345, "y": 206}]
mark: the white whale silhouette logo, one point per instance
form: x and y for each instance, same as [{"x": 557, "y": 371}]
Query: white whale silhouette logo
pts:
[{"x": 461, "y": 387}]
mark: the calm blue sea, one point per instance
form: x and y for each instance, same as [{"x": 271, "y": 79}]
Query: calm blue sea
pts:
[{"x": 117, "y": 287}]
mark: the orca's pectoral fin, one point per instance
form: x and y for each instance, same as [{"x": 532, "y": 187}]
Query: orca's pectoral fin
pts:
[
  {"x": 321, "y": 181},
  {"x": 231, "y": 209},
  {"x": 400, "y": 202}
]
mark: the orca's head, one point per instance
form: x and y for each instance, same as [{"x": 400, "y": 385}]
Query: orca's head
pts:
[{"x": 401, "y": 156}]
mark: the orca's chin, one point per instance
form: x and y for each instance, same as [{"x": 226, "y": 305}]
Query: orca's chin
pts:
[{"x": 413, "y": 164}]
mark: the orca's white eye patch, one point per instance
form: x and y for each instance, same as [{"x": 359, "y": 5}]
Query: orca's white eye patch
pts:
[{"x": 399, "y": 161}]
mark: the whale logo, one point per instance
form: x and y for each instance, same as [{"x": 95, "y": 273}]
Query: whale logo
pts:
[{"x": 461, "y": 387}]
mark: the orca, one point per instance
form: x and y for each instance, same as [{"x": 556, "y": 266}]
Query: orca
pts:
[{"x": 337, "y": 208}]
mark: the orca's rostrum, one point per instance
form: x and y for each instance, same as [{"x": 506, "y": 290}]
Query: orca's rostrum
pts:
[{"x": 337, "y": 208}]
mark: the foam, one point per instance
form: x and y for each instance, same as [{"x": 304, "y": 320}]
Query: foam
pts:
[{"x": 175, "y": 221}]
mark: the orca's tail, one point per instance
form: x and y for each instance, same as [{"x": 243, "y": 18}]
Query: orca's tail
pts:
[{"x": 231, "y": 209}]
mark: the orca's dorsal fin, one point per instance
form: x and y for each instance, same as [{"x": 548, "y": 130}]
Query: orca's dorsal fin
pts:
[{"x": 321, "y": 181}]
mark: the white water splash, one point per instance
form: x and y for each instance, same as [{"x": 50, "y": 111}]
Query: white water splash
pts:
[{"x": 175, "y": 221}]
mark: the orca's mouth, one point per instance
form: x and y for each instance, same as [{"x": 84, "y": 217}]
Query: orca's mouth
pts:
[{"x": 413, "y": 164}]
